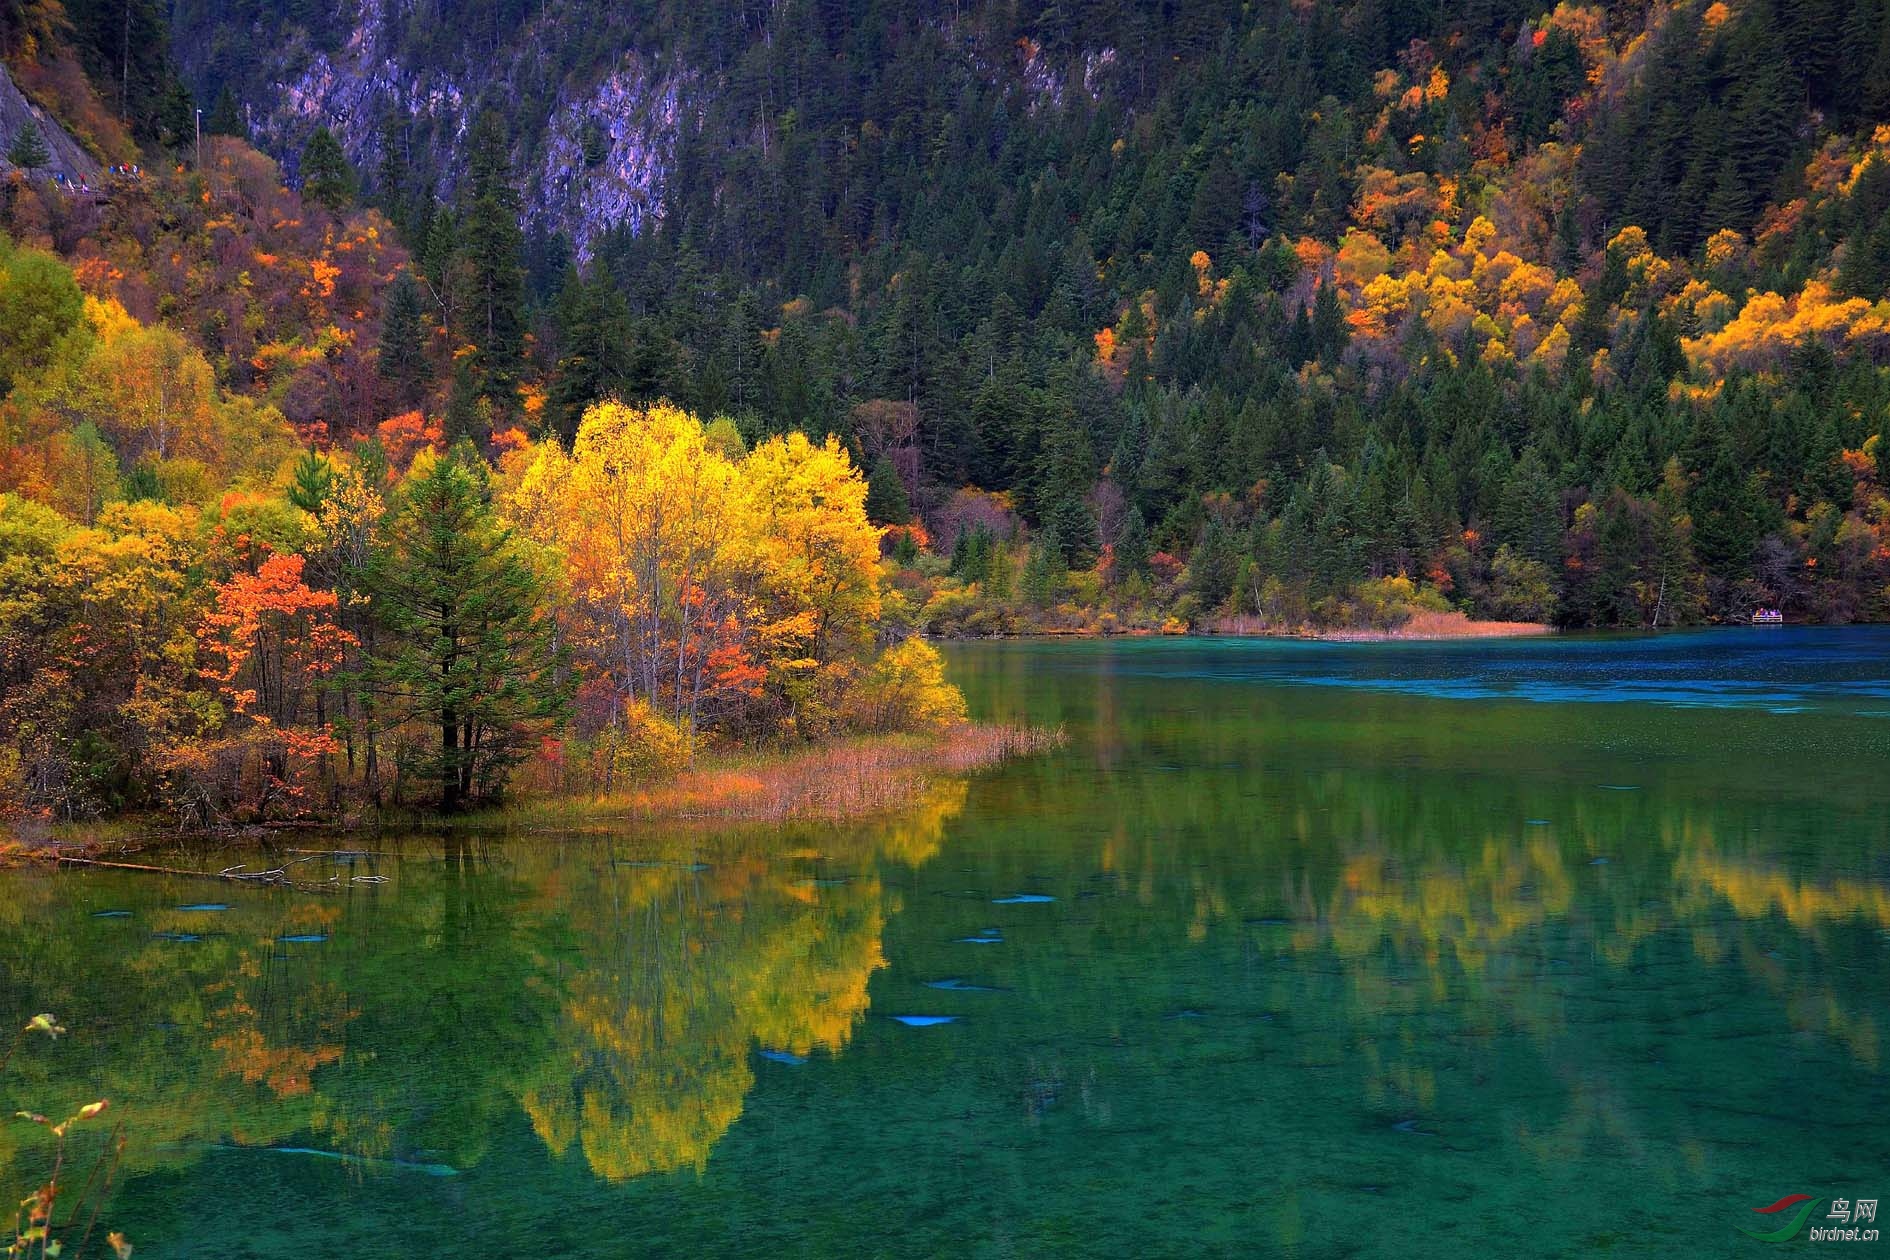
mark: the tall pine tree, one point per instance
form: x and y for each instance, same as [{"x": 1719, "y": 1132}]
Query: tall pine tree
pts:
[
  {"x": 403, "y": 358},
  {"x": 327, "y": 179},
  {"x": 492, "y": 250},
  {"x": 596, "y": 341},
  {"x": 467, "y": 647}
]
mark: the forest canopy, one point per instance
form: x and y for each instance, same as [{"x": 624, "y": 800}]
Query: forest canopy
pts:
[{"x": 964, "y": 319}]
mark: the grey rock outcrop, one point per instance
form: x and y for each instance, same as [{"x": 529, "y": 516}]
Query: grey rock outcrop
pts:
[{"x": 68, "y": 155}]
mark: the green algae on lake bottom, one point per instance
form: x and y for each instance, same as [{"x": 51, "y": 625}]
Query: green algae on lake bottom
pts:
[{"x": 1326, "y": 951}]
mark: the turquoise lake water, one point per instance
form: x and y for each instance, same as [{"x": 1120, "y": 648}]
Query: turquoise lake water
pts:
[{"x": 1534, "y": 948}]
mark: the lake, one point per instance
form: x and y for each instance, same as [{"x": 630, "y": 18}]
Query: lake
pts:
[{"x": 1536, "y": 947}]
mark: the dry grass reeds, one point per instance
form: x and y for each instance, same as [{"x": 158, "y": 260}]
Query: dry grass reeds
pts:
[{"x": 849, "y": 778}]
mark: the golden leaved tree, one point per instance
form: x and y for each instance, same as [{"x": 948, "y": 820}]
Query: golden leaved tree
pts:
[
  {"x": 815, "y": 558},
  {"x": 701, "y": 584},
  {"x": 645, "y": 512}
]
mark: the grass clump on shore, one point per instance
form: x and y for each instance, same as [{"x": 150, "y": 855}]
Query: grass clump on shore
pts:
[{"x": 847, "y": 778}]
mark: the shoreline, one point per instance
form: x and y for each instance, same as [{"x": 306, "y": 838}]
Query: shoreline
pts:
[
  {"x": 1421, "y": 628},
  {"x": 858, "y": 777},
  {"x": 1430, "y": 627}
]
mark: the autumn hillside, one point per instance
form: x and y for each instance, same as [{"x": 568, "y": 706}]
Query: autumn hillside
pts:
[
  {"x": 958, "y": 319},
  {"x": 1569, "y": 312}
]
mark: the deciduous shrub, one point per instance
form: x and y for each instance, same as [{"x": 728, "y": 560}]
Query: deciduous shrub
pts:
[
  {"x": 648, "y": 746},
  {"x": 905, "y": 690}
]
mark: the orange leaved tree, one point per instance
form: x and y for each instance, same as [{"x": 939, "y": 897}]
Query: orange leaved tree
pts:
[{"x": 270, "y": 643}]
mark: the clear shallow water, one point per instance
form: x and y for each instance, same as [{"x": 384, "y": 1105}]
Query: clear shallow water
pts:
[{"x": 1543, "y": 948}]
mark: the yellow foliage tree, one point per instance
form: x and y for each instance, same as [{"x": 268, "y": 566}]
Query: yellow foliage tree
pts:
[
  {"x": 699, "y": 581},
  {"x": 815, "y": 559},
  {"x": 646, "y": 513},
  {"x": 906, "y": 690}
]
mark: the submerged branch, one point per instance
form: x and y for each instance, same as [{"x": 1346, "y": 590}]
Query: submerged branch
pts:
[
  {"x": 68, "y": 859},
  {"x": 274, "y": 877}
]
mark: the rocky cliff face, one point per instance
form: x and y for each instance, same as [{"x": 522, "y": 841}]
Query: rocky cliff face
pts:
[
  {"x": 596, "y": 96},
  {"x": 606, "y": 153},
  {"x": 599, "y": 158},
  {"x": 16, "y": 113}
]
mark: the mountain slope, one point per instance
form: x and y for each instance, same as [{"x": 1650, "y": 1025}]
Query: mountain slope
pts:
[
  {"x": 18, "y": 114},
  {"x": 1578, "y": 312}
]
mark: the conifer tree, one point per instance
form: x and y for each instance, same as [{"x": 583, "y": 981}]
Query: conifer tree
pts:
[
  {"x": 1528, "y": 517},
  {"x": 311, "y": 480},
  {"x": 1132, "y": 548},
  {"x": 403, "y": 359},
  {"x": 492, "y": 248},
  {"x": 391, "y": 180},
  {"x": 1724, "y": 525},
  {"x": 176, "y": 115},
  {"x": 886, "y": 501},
  {"x": 1212, "y": 568},
  {"x": 28, "y": 150},
  {"x": 225, "y": 117},
  {"x": 1329, "y": 333},
  {"x": 596, "y": 340},
  {"x": 1045, "y": 569},
  {"x": 1866, "y": 270},
  {"x": 1062, "y": 502},
  {"x": 467, "y": 646},
  {"x": 327, "y": 179}
]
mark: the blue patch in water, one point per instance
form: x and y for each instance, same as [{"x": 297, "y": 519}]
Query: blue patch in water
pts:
[
  {"x": 359, "y": 1161},
  {"x": 177, "y": 936},
  {"x": 1538, "y": 822},
  {"x": 432, "y": 1170},
  {"x": 1599, "y": 862},
  {"x": 782, "y": 1056},
  {"x": 955, "y": 985},
  {"x": 111, "y": 914},
  {"x": 205, "y": 905},
  {"x": 977, "y": 940},
  {"x": 308, "y": 938},
  {"x": 1021, "y": 899},
  {"x": 925, "y": 1021}
]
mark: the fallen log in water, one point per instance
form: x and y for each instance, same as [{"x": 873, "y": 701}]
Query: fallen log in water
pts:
[
  {"x": 275, "y": 877},
  {"x": 66, "y": 859}
]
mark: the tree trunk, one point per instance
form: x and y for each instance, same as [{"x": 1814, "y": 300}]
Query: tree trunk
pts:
[{"x": 449, "y": 762}]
